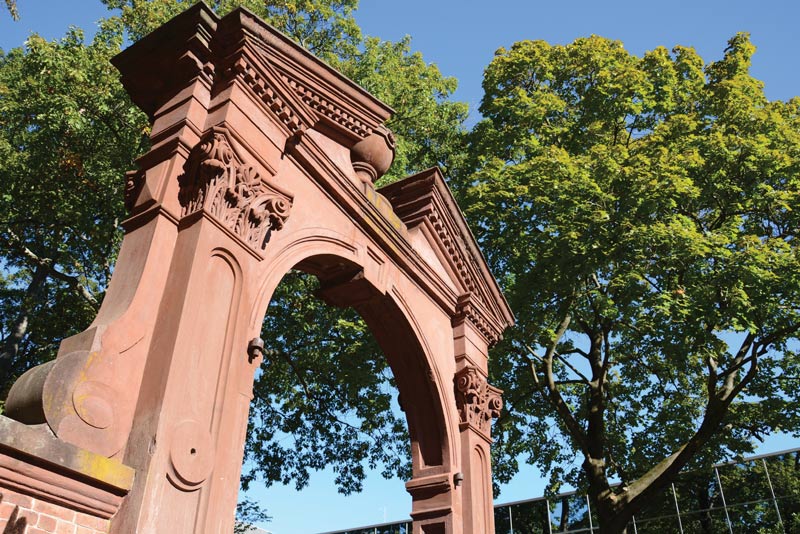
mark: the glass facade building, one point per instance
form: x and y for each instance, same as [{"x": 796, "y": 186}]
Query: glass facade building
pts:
[{"x": 759, "y": 495}]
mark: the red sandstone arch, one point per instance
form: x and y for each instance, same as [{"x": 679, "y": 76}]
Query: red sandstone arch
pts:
[
  {"x": 263, "y": 159},
  {"x": 397, "y": 331},
  {"x": 409, "y": 355}
]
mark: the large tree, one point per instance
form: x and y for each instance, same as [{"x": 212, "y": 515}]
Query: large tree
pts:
[
  {"x": 68, "y": 133},
  {"x": 643, "y": 215},
  {"x": 67, "y": 130}
]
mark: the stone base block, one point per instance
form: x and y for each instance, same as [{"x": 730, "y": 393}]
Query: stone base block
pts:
[{"x": 48, "y": 486}]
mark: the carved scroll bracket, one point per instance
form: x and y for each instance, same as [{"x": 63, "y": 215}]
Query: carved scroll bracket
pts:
[
  {"x": 478, "y": 402},
  {"x": 218, "y": 181}
]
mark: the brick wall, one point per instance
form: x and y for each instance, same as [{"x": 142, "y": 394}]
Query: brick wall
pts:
[
  {"x": 48, "y": 486},
  {"x": 20, "y": 514}
]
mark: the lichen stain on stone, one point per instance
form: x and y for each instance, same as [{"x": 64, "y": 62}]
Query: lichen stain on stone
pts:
[
  {"x": 385, "y": 209},
  {"x": 104, "y": 469}
]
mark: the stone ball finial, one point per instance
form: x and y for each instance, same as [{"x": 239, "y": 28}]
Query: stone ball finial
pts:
[{"x": 373, "y": 155}]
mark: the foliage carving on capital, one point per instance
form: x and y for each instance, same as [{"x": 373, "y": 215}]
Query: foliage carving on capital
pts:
[
  {"x": 233, "y": 192},
  {"x": 478, "y": 402}
]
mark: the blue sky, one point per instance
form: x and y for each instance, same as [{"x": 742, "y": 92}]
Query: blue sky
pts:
[{"x": 461, "y": 36}]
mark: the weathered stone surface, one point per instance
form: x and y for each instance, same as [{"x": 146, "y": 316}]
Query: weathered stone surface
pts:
[
  {"x": 47, "y": 485},
  {"x": 263, "y": 160}
]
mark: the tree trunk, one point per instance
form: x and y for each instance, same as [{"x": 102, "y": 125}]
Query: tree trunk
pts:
[
  {"x": 18, "y": 330},
  {"x": 612, "y": 520},
  {"x": 704, "y": 503},
  {"x": 564, "y": 515}
]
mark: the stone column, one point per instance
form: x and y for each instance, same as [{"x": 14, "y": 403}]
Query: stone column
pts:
[
  {"x": 478, "y": 403},
  {"x": 163, "y": 379},
  {"x": 190, "y": 423}
]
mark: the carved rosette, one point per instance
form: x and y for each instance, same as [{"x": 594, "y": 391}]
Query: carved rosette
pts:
[
  {"x": 478, "y": 402},
  {"x": 233, "y": 192}
]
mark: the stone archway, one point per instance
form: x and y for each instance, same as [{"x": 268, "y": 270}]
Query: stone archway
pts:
[
  {"x": 401, "y": 336},
  {"x": 263, "y": 159}
]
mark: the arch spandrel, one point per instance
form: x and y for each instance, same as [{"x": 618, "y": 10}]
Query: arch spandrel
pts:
[{"x": 264, "y": 160}]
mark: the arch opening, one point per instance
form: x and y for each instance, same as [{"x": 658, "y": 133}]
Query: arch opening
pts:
[{"x": 325, "y": 386}]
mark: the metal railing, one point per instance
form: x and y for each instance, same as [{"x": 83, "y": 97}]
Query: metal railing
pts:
[{"x": 760, "y": 494}]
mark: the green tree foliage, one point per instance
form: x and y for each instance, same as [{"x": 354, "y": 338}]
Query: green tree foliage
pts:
[
  {"x": 69, "y": 133},
  {"x": 248, "y": 513},
  {"x": 784, "y": 472},
  {"x": 11, "y": 5},
  {"x": 643, "y": 213},
  {"x": 325, "y": 27},
  {"x": 326, "y": 388}
]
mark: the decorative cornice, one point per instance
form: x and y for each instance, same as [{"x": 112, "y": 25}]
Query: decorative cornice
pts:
[
  {"x": 453, "y": 241},
  {"x": 469, "y": 311},
  {"x": 267, "y": 87},
  {"x": 326, "y": 98},
  {"x": 297, "y": 105},
  {"x": 329, "y": 109},
  {"x": 416, "y": 201},
  {"x": 216, "y": 180},
  {"x": 200, "y": 45},
  {"x": 478, "y": 402},
  {"x": 425, "y": 200},
  {"x": 175, "y": 53}
]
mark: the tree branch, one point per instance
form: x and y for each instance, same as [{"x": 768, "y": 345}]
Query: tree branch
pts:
[
  {"x": 322, "y": 402},
  {"x": 47, "y": 263},
  {"x": 563, "y": 360},
  {"x": 717, "y": 405},
  {"x": 574, "y": 351},
  {"x": 730, "y": 374},
  {"x": 553, "y": 395}
]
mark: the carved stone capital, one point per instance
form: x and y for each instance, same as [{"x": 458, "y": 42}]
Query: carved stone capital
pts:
[
  {"x": 478, "y": 402},
  {"x": 218, "y": 181}
]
